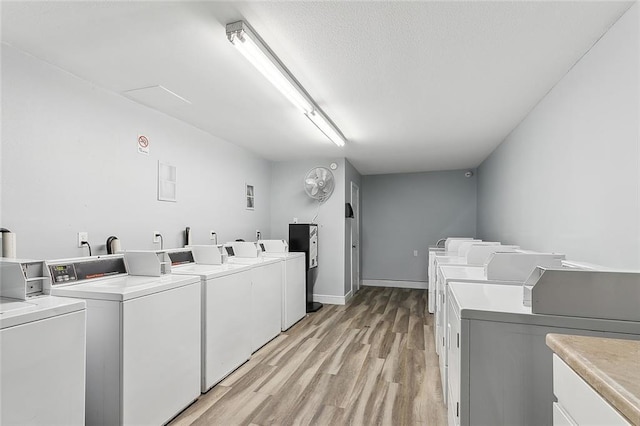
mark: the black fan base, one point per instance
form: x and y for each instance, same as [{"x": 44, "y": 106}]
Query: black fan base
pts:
[{"x": 313, "y": 306}]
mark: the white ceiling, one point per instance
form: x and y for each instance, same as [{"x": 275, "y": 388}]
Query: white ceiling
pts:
[{"x": 414, "y": 86}]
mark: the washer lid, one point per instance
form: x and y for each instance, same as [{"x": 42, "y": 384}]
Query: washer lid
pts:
[
  {"x": 254, "y": 261},
  {"x": 454, "y": 272},
  {"x": 209, "y": 271},
  {"x": 285, "y": 256},
  {"x": 17, "y": 312},
  {"x": 124, "y": 288}
]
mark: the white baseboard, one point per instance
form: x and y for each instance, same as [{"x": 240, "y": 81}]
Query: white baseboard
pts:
[
  {"x": 395, "y": 284},
  {"x": 348, "y": 296},
  {"x": 331, "y": 300}
]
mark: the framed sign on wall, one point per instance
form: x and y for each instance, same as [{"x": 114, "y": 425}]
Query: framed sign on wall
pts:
[{"x": 250, "y": 197}]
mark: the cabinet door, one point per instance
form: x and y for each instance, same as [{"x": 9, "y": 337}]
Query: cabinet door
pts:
[
  {"x": 579, "y": 400},
  {"x": 561, "y": 417}
]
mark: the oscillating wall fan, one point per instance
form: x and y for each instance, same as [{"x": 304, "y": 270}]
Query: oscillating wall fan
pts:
[{"x": 319, "y": 184}]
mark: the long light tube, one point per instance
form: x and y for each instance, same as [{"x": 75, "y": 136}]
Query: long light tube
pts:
[
  {"x": 250, "y": 50},
  {"x": 258, "y": 53},
  {"x": 325, "y": 127}
]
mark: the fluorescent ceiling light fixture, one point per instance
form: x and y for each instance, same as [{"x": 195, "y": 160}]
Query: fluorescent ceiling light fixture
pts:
[
  {"x": 252, "y": 47},
  {"x": 326, "y": 127}
]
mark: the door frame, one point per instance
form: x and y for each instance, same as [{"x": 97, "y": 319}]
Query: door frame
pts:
[{"x": 355, "y": 224}]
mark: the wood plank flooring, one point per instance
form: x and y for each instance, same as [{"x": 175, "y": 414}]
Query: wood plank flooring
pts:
[{"x": 369, "y": 362}]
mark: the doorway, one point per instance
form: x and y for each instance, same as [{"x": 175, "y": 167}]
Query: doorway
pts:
[{"x": 355, "y": 239}]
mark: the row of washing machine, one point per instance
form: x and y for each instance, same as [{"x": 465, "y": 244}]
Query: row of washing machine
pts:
[
  {"x": 493, "y": 306},
  {"x": 135, "y": 337}
]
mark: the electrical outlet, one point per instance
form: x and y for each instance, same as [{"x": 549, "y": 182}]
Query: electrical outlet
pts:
[
  {"x": 213, "y": 235},
  {"x": 415, "y": 253},
  {"x": 258, "y": 235},
  {"x": 82, "y": 236},
  {"x": 156, "y": 236}
]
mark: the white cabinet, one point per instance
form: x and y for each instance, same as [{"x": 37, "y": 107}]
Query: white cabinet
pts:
[
  {"x": 561, "y": 417},
  {"x": 578, "y": 403}
]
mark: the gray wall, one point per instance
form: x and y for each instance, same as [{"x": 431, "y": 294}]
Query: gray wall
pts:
[
  {"x": 568, "y": 178},
  {"x": 288, "y": 200},
  {"x": 406, "y": 212},
  {"x": 69, "y": 164},
  {"x": 351, "y": 175}
]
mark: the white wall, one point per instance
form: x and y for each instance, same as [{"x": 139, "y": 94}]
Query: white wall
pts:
[
  {"x": 288, "y": 200},
  {"x": 568, "y": 177},
  {"x": 69, "y": 164},
  {"x": 412, "y": 211}
]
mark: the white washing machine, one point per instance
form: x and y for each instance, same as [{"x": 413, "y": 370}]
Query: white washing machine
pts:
[
  {"x": 42, "y": 350},
  {"x": 504, "y": 268},
  {"x": 266, "y": 291},
  {"x": 294, "y": 296},
  {"x": 500, "y": 367},
  {"x": 225, "y": 313},
  {"x": 450, "y": 253},
  {"x": 143, "y": 338}
]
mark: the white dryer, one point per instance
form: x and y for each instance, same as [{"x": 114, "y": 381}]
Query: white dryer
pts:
[
  {"x": 143, "y": 339},
  {"x": 266, "y": 291},
  {"x": 294, "y": 298},
  {"x": 225, "y": 312},
  {"x": 42, "y": 350}
]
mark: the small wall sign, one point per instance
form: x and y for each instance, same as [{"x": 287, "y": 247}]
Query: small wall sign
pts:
[
  {"x": 143, "y": 145},
  {"x": 250, "y": 197},
  {"x": 167, "y": 182}
]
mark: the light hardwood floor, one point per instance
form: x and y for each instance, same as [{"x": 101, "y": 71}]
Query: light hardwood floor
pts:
[{"x": 369, "y": 362}]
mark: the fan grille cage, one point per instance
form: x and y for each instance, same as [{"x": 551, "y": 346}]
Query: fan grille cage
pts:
[{"x": 319, "y": 183}]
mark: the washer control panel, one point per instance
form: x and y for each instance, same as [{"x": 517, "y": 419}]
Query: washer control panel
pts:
[
  {"x": 66, "y": 273},
  {"x": 63, "y": 273}
]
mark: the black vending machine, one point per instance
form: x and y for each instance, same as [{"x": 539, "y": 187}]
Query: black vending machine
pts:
[{"x": 303, "y": 237}]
